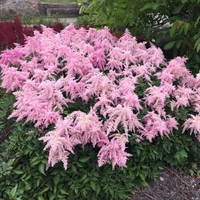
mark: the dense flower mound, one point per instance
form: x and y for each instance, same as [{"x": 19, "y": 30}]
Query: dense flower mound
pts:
[{"x": 95, "y": 88}]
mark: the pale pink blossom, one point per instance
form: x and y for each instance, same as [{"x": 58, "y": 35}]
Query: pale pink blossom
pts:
[
  {"x": 127, "y": 84},
  {"x": 177, "y": 68},
  {"x": 156, "y": 97},
  {"x": 182, "y": 96},
  {"x": 85, "y": 48},
  {"x": 121, "y": 115},
  {"x": 89, "y": 128},
  {"x": 193, "y": 124},
  {"x": 156, "y": 56},
  {"x": 165, "y": 76},
  {"x": 11, "y": 56},
  {"x": 128, "y": 96},
  {"x": 114, "y": 64},
  {"x": 132, "y": 100},
  {"x": 128, "y": 58},
  {"x": 98, "y": 84},
  {"x": 113, "y": 152},
  {"x": 59, "y": 146},
  {"x": 116, "y": 53},
  {"x": 102, "y": 104},
  {"x": 98, "y": 59},
  {"x": 127, "y": 42},
  {"x": 154, "y": 125},
  {"x": 78, "y": 65},
  {"x": 171, "y": 123},
  {"x": 105, "y": 34},
  {"x": 141, "y": 53},
  {"x": 13, "y": 79},
  {"x": 195, "y": 99},
  {"x": 142, "y": 71}
]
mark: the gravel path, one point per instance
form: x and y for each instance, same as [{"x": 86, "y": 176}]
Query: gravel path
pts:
[{"x": 173, "y": 184}]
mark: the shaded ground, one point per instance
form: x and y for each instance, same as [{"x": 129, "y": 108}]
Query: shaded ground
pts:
[{"x": 173, "y": 184}]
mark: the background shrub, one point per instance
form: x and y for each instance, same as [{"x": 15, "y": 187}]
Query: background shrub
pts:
[{"x": 172, "y": 25}]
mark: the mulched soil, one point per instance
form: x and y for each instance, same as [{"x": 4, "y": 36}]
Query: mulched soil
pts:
[{"x": 172, "y": 184}]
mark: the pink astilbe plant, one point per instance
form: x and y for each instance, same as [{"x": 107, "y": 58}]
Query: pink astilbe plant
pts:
[
  {"x": 155, "y": 125},
  {"x": 95, "y": 88},
  {"x": 114, "y": 152},
  {"x": 193, "y": 124},
  {"x": 123, "y": 115}
]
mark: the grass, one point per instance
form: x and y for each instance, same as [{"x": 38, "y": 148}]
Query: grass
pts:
[
  {"x": 26, "y": 20},
  {"x": 45, "y": 20},
  {"x": 58, "y": 1}
]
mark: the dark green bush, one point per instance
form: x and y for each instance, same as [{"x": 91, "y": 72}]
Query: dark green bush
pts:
[{"x": 172, "y": 25}]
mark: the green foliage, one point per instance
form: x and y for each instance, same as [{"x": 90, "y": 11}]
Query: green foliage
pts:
[
  {"x": 6, "y": 107},
  {"x": 27, "y": 20},
  {"x": 23, "y": 168},
  {"x": 179, "y": 149},
  {"x": 194, "y": 169},
  {"x": 23, "y": 173},
  {"x": 172, "y": 25}
]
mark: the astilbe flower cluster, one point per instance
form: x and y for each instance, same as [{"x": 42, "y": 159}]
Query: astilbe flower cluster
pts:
[{"x": 53, "y": 70}]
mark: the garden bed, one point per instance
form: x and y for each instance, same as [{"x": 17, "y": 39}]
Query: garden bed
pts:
[{"x": 84, "y": 179}]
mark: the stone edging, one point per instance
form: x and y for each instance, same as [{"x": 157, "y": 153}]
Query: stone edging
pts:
[
  {"x": 12, "y": 8},
  {"x": 59, "y": 9}
]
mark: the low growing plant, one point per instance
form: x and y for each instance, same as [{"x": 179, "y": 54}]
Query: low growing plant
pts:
[
  {"x": 23, "y": 174},
  {"x": 95, "y": 98},
  {"x": 100, "y": 90}
]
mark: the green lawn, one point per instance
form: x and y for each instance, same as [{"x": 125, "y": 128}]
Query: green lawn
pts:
[{"x": 58, "y": 1}]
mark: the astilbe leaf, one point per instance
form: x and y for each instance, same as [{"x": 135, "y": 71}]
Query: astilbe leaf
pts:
[{"x": 85, "y": 83}]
